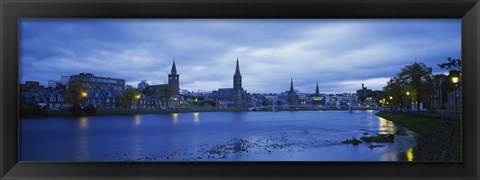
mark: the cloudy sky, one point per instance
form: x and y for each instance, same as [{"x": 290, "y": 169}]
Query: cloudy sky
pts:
[{"x": 339, "y": 54}]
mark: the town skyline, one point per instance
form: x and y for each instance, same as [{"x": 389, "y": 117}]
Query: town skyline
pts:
[
  {"x": 333, "y": 52},
  {"x": 215, "y": 89}
]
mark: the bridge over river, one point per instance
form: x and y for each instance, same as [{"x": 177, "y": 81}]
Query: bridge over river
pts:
[{"x": 275, "y": 107}]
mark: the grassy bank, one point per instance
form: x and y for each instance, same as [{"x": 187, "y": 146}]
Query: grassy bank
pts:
[{"x": 439, "y": 139}]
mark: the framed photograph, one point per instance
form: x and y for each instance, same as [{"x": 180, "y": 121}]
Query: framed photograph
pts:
[{"x": 223, "y": 89}]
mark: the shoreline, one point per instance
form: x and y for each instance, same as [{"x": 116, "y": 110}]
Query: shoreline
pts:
[
  {"x": 437, "y": 139},
  {"x": 405, "y": 144}
]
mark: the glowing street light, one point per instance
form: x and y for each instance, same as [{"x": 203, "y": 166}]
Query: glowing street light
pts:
[
  {"x": 455, "y": 80},
  {"x": 408, "y": 93},
  {"x": 137, "y": 96},
  {"x": 391, "y": 97},
  {"x": 84, "y": 94}
]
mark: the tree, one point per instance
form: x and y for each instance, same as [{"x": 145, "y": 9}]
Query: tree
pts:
[
  {"x": 60, "y": 87},
  {"x": 32, "y": 109},
  {"x": 75, "y": 92},
  {"x": 76, "y": 110},
  {"x": 265, "y": 103},
  {"x": 129, "y": 96},
  {"x": 418, "y": 78},
  {"x": 142, "y": 87},
  {"x": 279, "y": 102},
  {"x": 395, "y": 88},
  {"x": 90, "y": 110},
  {"x": 168, "y": 92},
  {"x": 453, "y": 65},
  {"x": 165, "y": 93}
]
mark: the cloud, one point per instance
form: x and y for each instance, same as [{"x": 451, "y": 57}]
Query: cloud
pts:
[{"x": 339, "y": 54}]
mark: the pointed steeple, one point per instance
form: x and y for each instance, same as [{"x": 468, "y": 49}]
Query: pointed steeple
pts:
[
  {"x": 237, "y": 70},
  {"x": 291, "y": 85},
  {"x": 317, "y": 92},
  {"x": 174, "y": 68}
]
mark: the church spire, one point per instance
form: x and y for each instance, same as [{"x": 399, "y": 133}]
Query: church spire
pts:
[
  {"x": 291, "y": 85},
  {"x": 317, "y": 92},
  {"x": 174, "y": 68},
  {"x": 237, "y": 70}
]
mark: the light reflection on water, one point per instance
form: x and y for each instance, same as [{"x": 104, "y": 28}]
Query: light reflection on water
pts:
[
  {"x": 83, "y": 122},
  {"x": 83, "y": 143},
  {"x": 137, "y": 141},
  {"x": 195, "y": 117},
  {"x": 410, "y": 154},
  {"x": 386, "y": 126},
  {"x": 175, "y": 118},
  {"x": 389, "y": 157},
  {"x": 138, "y": 119}
]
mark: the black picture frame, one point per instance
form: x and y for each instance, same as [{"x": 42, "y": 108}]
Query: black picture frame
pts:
[{"x": 12, "y": 10}]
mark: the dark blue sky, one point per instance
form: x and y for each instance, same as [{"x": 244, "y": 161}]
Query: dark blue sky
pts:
[{"x": 339, "y": 54}]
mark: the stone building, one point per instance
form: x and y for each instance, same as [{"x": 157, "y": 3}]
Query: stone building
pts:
[
  {"x": 238, "y": 91},
  {"x": 363, "y": 94},
  {"x": 317, "y": 98},
  {"x": 92, "y": 82},
  {"x": 292, "y": 96},
  {"x": 167, "y": 93},
  {"x": 228, "y": 97},
  {"x": 174, "y": 80}
]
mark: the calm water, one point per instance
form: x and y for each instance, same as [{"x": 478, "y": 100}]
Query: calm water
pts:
[{"x": 207, "y": 136}]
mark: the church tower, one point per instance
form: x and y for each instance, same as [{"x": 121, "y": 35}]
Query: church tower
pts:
[
  {"x": 173, "y": 79},
  {"x": 292, "y": 97},
  {"x": 291, "y": 87},
  {"x": 317, "y": 91},
  {"x": 237, "y": 87}
]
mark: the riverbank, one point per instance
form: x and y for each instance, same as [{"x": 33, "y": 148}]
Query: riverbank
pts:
[
  {"x": 317, "y": 109},
  {"x": 438, "y": 139}
]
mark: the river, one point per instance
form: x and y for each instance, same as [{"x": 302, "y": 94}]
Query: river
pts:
[{"x": 212, "y": 136}]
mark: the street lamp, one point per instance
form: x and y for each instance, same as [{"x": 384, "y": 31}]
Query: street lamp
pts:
[
  {"x": 391, "y": 106},
  {"x": 409, "y": 101},
  {"x": 137, "y": 104},
  {"x": 455, "y": 81},
  {"x": 83, "y": 96}
]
